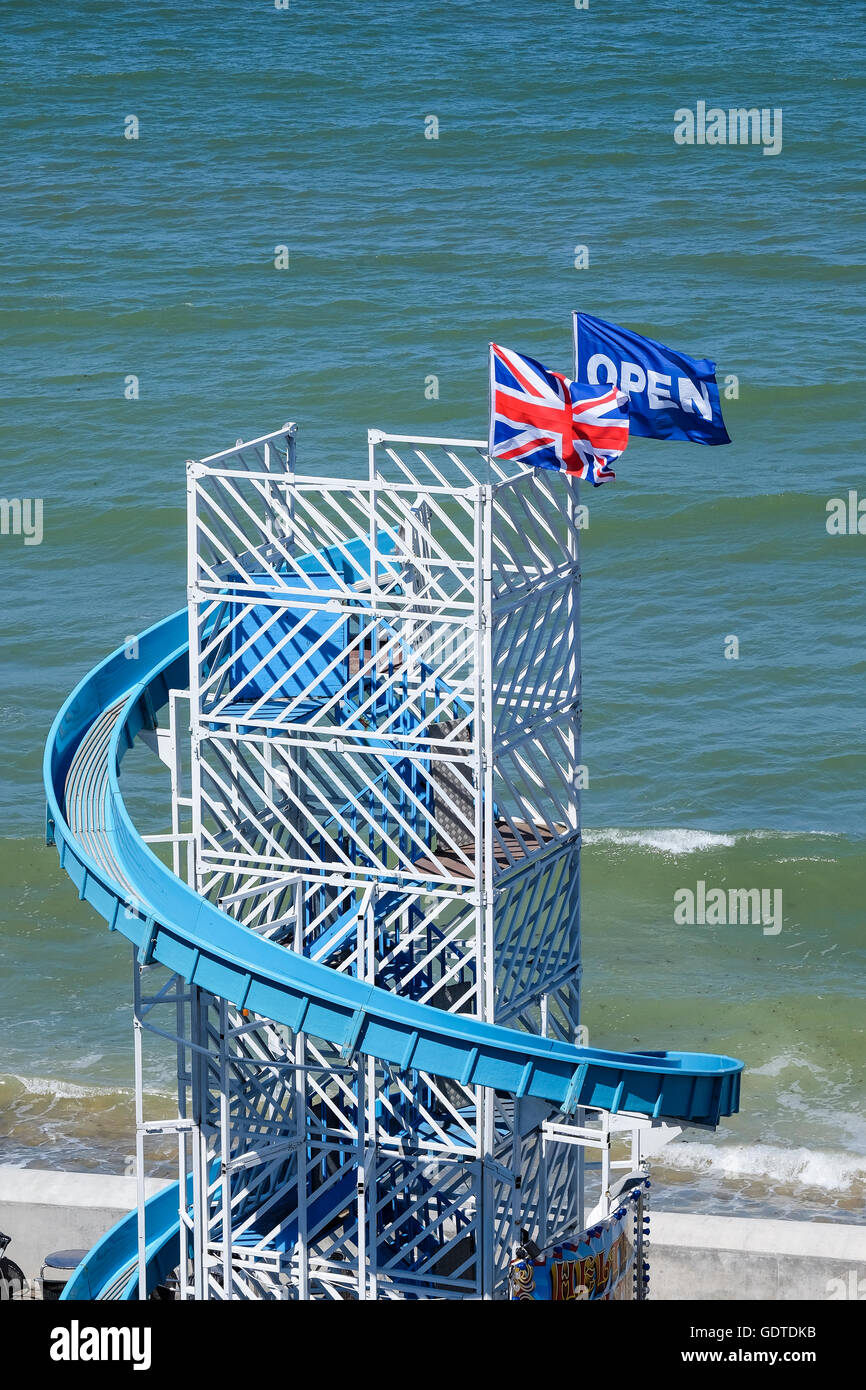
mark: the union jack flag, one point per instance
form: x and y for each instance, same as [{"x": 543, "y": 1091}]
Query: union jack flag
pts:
[{"x": 541, "y": 418}]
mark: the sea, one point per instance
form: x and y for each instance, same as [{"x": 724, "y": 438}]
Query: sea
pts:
[{"x": 222, "y": 216}]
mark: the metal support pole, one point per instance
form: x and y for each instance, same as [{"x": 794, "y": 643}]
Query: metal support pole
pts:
[
  {"x": 200, "y": 1203},
  {"x": 225, "y": 1149},
  {"x": 139, "y": 1126}
]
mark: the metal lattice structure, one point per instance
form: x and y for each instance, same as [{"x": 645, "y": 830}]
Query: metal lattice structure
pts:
[
  {"x": 361, "y": 932},
  {"x": 384, "y": 709}
]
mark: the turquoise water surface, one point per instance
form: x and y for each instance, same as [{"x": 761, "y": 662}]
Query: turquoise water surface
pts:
[{"x": 154, "y": 258}]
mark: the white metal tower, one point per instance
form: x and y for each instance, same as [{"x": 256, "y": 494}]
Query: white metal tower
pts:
[{"x": 384, "y": 709}]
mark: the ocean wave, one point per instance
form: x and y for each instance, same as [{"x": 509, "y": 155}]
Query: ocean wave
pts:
[
  {"x": 15, "y": 1085},
  {"x": 673, "y": 841},
  {"x": 789, "y": 835},
  {"x": 677, "y": 840},
  {"x": 808, "y": 859},
  {"x": 61, "y": 1090},
  {"x": 823, "y": 1169}
]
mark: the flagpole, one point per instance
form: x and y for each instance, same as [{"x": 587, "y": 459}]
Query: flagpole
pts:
[
  {"x": 490, "y": 391},
  {"x": 576, "y": 683}
]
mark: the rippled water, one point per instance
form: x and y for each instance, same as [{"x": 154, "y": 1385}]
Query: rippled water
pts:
[{"x": 305, "y": 128}]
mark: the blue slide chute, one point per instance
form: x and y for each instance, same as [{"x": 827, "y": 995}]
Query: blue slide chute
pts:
[{"x": 169, "y": 923}]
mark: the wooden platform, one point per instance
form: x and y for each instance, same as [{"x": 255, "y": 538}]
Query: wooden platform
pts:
[{"x": 506, "y": 844}]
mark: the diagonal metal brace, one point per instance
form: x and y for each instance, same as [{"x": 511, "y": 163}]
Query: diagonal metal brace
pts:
[
  {"x": 145, "y": 950},
  {"x": 575, "y": 1085}
]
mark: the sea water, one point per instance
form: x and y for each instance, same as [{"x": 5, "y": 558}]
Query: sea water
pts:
[{"x": 324, "y": 214}]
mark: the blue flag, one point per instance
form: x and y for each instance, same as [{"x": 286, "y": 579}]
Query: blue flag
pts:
[{"x": 671, "y": 395}]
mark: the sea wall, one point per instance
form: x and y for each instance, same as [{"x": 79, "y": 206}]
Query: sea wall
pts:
[
  {"x": 44, "y": 1210},
  {"x": 722, "y": 1258}
]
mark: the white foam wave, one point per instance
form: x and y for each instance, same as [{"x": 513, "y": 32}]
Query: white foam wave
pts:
[
  {"x": 64, "y": 1090},
  {"x": 809, "y": 859},
  {"x": 777, "y": 1065},
  {"x": 812, "y": 1168},
  {"x": 674, "y": 841},
  {"x": 790, "y": 835}
]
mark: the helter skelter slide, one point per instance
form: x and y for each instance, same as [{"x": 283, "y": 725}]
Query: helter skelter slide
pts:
[{"x": 361, "y": 933}]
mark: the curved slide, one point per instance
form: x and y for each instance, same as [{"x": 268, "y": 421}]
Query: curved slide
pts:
[{"x": 115, "y": 871}]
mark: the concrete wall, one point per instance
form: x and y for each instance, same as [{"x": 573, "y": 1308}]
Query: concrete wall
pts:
[
  {"x": 726, "y": 1257},
  {"x": 45, "y": 1210}
]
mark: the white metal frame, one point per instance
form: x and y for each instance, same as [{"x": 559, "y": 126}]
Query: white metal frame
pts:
[{"x": 430, "y": 795}]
